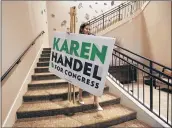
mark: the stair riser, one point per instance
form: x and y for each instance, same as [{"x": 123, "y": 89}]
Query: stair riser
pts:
[
  {"x": 41, "y": 86},
  {"x": 65, "y": 111},
  {"x": 42, "y": 64},
  {"x": 45, "y": 55},
  {"x": 39, "y": 70},
  {"x": 43, "y": 98},
  {"x": 46, "y": 52},
  {"x": 46, "y": 49},
  {"x": 63, "y": 96},
  {"x": 112, "y": 122},
  {"x": 44, "y": 59},
  {"x": 44, "y": 77}
]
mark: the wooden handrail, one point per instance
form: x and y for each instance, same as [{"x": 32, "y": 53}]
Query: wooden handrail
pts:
[{"x": 19, "y": 58}]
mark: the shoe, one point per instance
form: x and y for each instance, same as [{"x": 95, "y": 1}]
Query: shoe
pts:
[
  {"x": 99, "y": 108},
  {"x": 81, "y": 102}
]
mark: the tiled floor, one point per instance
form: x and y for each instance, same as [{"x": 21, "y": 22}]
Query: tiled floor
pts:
[{"x": 144, "y": 91}]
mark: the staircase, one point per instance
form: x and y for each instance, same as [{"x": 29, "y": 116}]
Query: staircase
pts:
[
  {"x": 45, "y": 104},
  {"x": 114, "y": 15}
]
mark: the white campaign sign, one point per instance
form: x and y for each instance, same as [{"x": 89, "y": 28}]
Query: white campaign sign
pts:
[{"x": 82, "y": 60}]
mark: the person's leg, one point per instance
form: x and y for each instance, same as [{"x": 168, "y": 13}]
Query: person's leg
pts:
[
  {"x": 80, "y": 96},
  {"x": 96, "y": 102}
]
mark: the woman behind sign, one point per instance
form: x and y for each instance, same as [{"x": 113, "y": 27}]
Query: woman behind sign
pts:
[{"x": 85, "y": 29}]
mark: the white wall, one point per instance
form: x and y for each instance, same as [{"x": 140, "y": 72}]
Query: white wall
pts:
[
  {"x": 157, "y": 24},
  {"x": 61, "y": 11},
  {"x": 147, "y": 33},
  {"x": 22, "y": 21}
]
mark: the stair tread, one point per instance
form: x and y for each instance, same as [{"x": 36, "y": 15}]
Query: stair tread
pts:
[
  {"x": 49, "y": 91},
  {"x": 44, "y": 62},
  {"x": 56, "y": 104},
  {"x": 46, "y": 92},
  {"x": 109, "y": 113},
  {"x": 132, "y": 124},
  {"x": 42, "y": 74},
  {"x": 44, "y": 57},
  {"x": 46, "y": 49},
  {"x": 78, "y": 119},
  {"x": 42, "y": 67},
  {"x": 55, "y": 121},
  {"x": 45, "y": 53},
  {"x": 48, "y": 81}
]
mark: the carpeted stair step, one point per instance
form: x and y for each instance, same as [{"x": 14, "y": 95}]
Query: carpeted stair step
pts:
[
  {"x": 60, "y": 121},
  {"x": 111, "y": 115},
  {"x": 45, "y": 55},
  {"x": 58, "y": 107},
  {"x": 44, "y": 59},
  {"x": 46, "y": 51},
  {"x": 42, "y": 69},
  {"x": 131, "y": 124},
  {"x": 52, "y": 93},
  {"x": 44, "y": 76},
  {"x": 47, "y": 84},
  {"x": 46, "y": 94},
  {"x": 43, "y": 64}
]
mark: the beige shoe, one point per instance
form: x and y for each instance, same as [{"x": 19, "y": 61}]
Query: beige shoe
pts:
[
  {"x": 81, "y": 102},
  {"x": 99, "y": 108}
]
